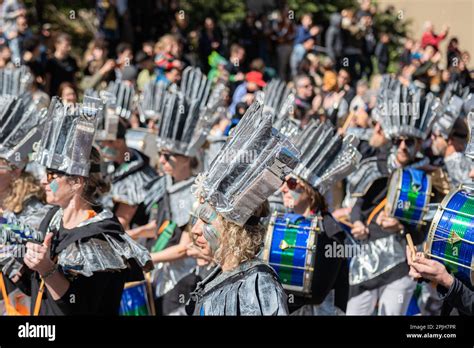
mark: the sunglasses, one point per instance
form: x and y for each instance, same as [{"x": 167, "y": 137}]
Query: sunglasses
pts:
[
  {"x": 408, "y": 142},
  {"x": 292, "y": 183},
  {"x": 166, "y": 155},
  {"x": 53, "y": 174}
]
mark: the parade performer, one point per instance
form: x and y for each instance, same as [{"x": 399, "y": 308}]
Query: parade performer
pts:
[
  {"x": 232, "y": 196},
  {"x": 81, "y": 257},
  {"x": 379, "y": 274}
]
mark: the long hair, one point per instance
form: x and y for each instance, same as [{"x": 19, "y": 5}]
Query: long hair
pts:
[
  {"x": 24, "y": 187},
  {"x": 238, "y": 244}
]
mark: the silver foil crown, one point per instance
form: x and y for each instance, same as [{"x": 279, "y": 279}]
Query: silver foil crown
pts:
[
  {"x": 326, "y": 157},
  {"x": 186, "y": 113},
  {"x": 19, "y": 121},
  {"x": 67, "y": 136},
  {"x": 107, "y": 118},
  {"x": 249, "y": 168},
  {"x": 402, "y": 111},
  {"x": 15, "y": 81},
  {"x": 151, "y": 100}
]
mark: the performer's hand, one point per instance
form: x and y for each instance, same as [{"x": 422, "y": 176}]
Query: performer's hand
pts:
[
  {"x": 388, "y": 223},
  {"x": 360, "y": 231},
  {"x": 37, "y": 257},
  {"x": 431, "y": 270}
]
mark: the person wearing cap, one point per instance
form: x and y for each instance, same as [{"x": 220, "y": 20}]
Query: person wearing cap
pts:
[
  {"x": 59, "y": 272},
  {"x": 253, "y": 82}
]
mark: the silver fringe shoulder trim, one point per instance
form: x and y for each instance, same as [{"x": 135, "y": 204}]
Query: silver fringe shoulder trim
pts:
[
  {"x": 365, "y": 175},
  {"x": 131, "y": 189},
  {"x": 110, "y": 254},
  {"x": 256, "y": 293}
]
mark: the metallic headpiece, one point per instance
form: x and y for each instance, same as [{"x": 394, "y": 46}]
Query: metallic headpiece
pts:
[
  {"x": 19, "y": 121},
  {"x": 278, "y": 99},
  {"x": 15, "y": 81},
  {"x": 67, "y": 136},
  {"x": 400, "y": 111},
  {"x": 325, "y": 156},
  {"x": 124, "y": 98},
  {"x": 151, "y": 100},
  {"x": 107, "y": 119},
  {"x": 250, "y": 167}
]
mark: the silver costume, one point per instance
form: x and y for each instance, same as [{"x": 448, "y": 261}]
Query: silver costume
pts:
[
  {"x": 105, "y": 253},
  {"x": 250, "y": 289}
]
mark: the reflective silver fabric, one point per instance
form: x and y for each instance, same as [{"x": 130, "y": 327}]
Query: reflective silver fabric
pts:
[
  {"x": 96, "y": 255},
  {"x": 167, "y": 274},
  {"x": 458, "y": 167},
  {"x": 326, "y": 308},
  {"x": 181, "y": 201},
  {"x": 366, "y": 173},
  {"x": 375, "y": 258}
]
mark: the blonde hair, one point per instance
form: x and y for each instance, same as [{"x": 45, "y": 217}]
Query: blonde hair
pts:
[
  {"x": 164, "y": 42},
  {"x": 239, "y": 244},
  {"x": 24, "y": 187}
]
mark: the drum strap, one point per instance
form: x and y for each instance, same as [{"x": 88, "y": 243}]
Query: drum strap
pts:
[
  {"x": 39, "y": 298},
  {"x": 376, "y": 210},
  {"x": 10, "y": 309}
]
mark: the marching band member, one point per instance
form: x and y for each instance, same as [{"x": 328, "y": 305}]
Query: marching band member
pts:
[
  {"x": 184, "y": 126},
  {"x": 232, "y": 196},
  {"x": 449, "y": 138},
  {"x": 85, "y": 257},
  {"x": 379, "y": 274},
  {"x": 131, "y": 170},
  {"x": 20, "y": 192},
  {"x": 324, "y": 162}
]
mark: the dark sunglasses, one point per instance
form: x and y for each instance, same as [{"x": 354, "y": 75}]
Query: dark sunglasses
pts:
[
  {"x": 53, "y": 174},
  {"x": 166, "y": 155},
  {"x": 408, "y": 142},
  {"x": 292, "y": 183}
]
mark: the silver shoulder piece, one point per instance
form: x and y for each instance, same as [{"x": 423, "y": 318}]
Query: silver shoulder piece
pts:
[{"x": 470, "y": 146}]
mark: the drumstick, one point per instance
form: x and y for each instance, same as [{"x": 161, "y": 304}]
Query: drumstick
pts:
[
  {"x": 411, "y": 246},
  {"x": 348, "y": 121},
  {"x": 347, "y": 223}
]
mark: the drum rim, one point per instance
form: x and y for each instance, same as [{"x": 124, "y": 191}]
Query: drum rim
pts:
[
  {"x": 305, "y": 289},
  {"x": 429, "y": 190},
  {"x": 436, "y": 219}
]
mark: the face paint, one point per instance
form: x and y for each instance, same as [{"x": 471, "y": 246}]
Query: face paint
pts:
[
  {"x": 109, "y": 152},
  {"x": 211, "y": 235},
  {"x": 54, "y": 186},
  {"x": 295, "y": 195},
  {"x": 206, "y": 213}
]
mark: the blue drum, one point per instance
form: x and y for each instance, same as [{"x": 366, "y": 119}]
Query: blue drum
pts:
[
  {"x": 451, "y": 236},
  {"x": 136, "y": 299},
  {"x": 290, "y": 248},
  {"x": 408, "y": 195},
  {"x": 295, "y": 247}
]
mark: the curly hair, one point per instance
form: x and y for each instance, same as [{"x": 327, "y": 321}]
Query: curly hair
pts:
[
  {"x": 239, "y": 244},
  {"x": 24, "y": 187}
]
